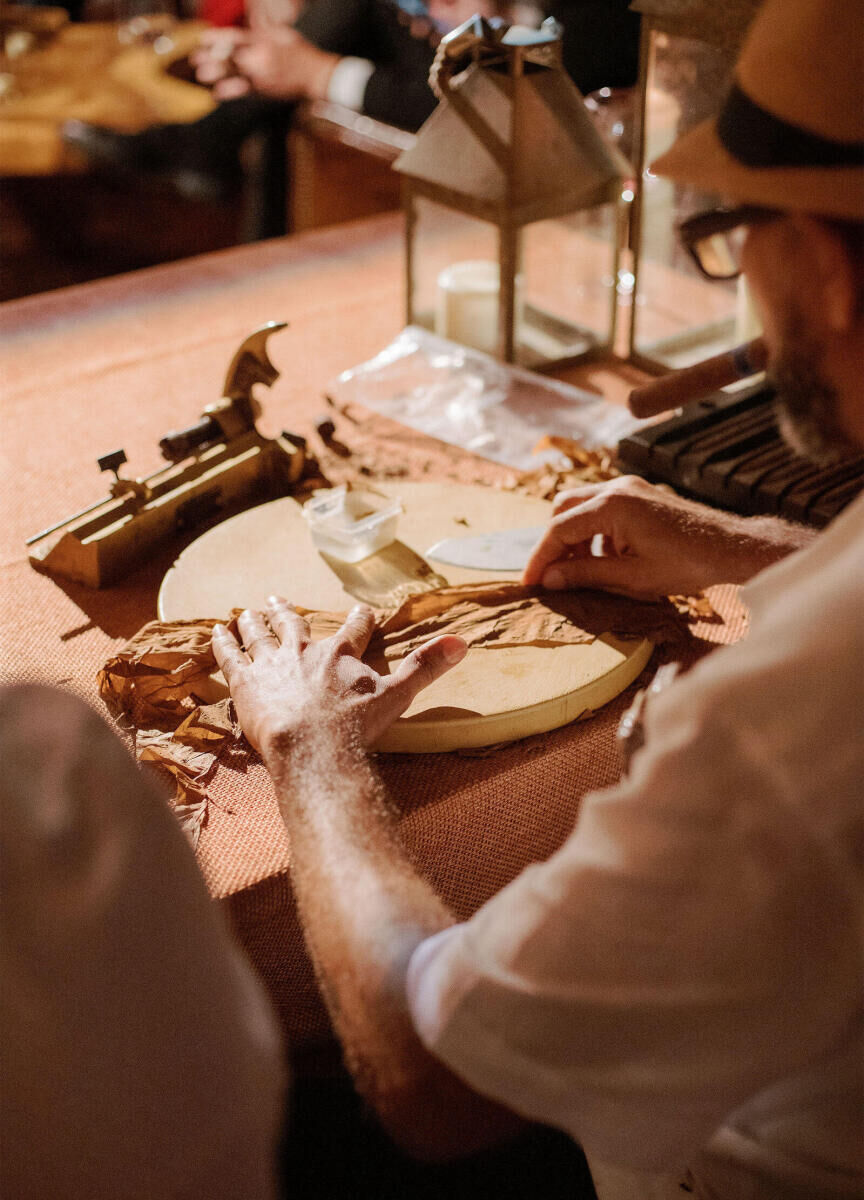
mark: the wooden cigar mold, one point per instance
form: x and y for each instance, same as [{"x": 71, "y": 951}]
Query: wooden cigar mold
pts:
[
  {"x": 218, "y": 466},
  {"x": 727, "y": 450}
]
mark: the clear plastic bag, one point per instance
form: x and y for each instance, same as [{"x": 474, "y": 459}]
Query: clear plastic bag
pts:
[{"x": 471, "y": 400}]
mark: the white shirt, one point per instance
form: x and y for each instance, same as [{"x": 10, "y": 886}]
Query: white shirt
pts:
[
  {"x": 681, "y": 983},
  {"x": 347, "y": 85},
  {"x": 141, "y": 1058}
]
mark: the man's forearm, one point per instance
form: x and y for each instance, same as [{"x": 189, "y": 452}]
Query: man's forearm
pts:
[
  {"x": 364, "y": 909},
  {"x": 754, "y": 543},
  {"x": 354, "y": 881},
  {"x": 310, "y": 708}
]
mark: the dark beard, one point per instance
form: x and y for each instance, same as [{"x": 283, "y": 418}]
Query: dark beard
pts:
[{"x": 806, "y": 403}]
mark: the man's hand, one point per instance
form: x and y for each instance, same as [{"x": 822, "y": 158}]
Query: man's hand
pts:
[
  {"x": 286, "y": 687},
  {"x": 653, "y": 542},
  {"x": 213, "y": 60},
  {"x": 285, "y": 66},
  {"x": 281, "y": 64}
]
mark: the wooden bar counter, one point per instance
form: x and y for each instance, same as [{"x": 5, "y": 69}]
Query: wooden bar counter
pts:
[{"x": 117, "y": 364}]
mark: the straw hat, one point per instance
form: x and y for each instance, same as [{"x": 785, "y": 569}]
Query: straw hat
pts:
[{"x": 791, "y": 132}]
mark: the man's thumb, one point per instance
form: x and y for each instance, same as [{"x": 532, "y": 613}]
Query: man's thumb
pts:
[{"x": 424, "y": 665}]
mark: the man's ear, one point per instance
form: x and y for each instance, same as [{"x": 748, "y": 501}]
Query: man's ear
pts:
[{"x": 831, "y": 296}]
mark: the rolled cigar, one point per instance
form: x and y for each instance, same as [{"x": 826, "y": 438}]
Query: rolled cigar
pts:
[{"x": 679, "y": 387}]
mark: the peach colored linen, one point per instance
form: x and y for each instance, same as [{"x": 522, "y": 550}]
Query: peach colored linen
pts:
[{"x": 120, "y": 362}]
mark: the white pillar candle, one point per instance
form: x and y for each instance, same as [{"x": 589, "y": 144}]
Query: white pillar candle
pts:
[{"x": 467, "y": 310}]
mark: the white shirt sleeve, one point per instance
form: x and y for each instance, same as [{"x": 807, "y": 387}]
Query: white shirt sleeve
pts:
[
  {"x": 347, "y": 84},
  {"x": 693, "y": 941}
]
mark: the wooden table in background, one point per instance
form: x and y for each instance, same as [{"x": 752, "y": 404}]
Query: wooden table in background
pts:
[{"x": 64, "y": 222}]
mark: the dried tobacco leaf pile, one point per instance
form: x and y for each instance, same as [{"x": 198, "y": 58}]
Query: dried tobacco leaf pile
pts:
[
  {"x": 163, "y": 683},
  {"x": 578, "y": 466},
  {"x": 159, "y": 686}
]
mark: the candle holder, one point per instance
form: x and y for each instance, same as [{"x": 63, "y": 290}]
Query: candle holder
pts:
[{"x": 513, "y": 203}]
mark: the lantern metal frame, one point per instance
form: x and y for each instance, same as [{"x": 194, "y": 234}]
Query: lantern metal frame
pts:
[
  {"x": 526, "y": 189},
  {"x": 723, "y": 31}
]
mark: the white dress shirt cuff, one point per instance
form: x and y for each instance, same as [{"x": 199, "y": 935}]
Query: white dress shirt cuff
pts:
[
  {"x": 347, "y": 84},
  {"x": 426, "y": 1002}
]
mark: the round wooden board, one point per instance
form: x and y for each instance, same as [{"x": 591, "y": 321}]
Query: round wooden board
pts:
[{"x": 494, "y": 695}]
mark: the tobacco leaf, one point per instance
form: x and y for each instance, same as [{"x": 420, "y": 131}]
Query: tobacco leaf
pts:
[
  {"x": 499, "y": 614},
  {"x": 161, "y": 674},
  {"x": 510, "y": 614},
  {"x": 161, "y": 683}
]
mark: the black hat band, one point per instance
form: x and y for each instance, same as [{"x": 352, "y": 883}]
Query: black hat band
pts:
[{"x": 756, "y": 138}]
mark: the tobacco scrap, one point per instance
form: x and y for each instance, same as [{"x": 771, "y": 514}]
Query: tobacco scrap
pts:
[
  {"x": 580, "y": 466},
  {"x": 696, "y": 608},
  {"x": 599, "y": 463},
  {"x": 191, "y": 767},
  {"x": 161, "y": 685}
]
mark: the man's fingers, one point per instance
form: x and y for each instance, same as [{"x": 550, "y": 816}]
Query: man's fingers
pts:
[
  {"x": 258, "y": 637},
  {"x": 551, "y": 550},
  {"x": 568, "y": 534},
  {"x": 210, "y": 72},
  {"x": 232, "y": 88},
  {"x": 422, "y": 667},
  {"x": 613, "y": 574},
  {"x": 575, "y": 496},
  {"x": 251, "y": 59},
  {"x": 227, "y": 653},
  {"x": 287, "y": 623},
  {"x": 355, "y": 634}
]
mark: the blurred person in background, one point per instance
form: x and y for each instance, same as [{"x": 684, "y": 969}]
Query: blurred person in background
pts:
[{"x": 372, "y": 56}]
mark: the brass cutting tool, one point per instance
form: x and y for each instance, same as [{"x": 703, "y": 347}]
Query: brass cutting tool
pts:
[{"x": 218, "y": 466}]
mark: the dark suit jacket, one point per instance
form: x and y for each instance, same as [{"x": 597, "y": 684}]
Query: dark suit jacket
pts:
[
  {"x": 600, "y": 48},
  {"x": 398, "y": 91},
  {"x": 600, "y": 44}
]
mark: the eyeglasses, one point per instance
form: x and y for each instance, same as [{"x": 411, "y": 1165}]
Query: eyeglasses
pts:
[{"x": 714, "y": 239}]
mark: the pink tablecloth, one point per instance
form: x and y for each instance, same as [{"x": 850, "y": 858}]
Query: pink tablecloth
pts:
[{"x": 118, "y": 363}]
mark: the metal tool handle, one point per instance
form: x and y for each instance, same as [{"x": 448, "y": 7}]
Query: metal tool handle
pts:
[
  {"x": 236, "y": 412},
  {"x": 180, "y": 443}
]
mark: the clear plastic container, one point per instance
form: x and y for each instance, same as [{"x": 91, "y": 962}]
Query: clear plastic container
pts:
[{"x": 351, "y": 525}]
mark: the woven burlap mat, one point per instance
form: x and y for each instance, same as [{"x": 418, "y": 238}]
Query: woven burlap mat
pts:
[{"x": 141, "y": 368}]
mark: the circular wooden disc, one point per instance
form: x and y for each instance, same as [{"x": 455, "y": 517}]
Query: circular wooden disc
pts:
[{"x": 494, "y": 695}]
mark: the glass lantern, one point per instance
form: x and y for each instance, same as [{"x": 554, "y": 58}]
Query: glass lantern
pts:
[
  {"x": 513, "y": 205},
  {"x": 677, "y": 316}
]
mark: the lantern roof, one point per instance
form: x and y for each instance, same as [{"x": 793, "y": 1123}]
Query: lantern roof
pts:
[{"x": 513, "y": 148}]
